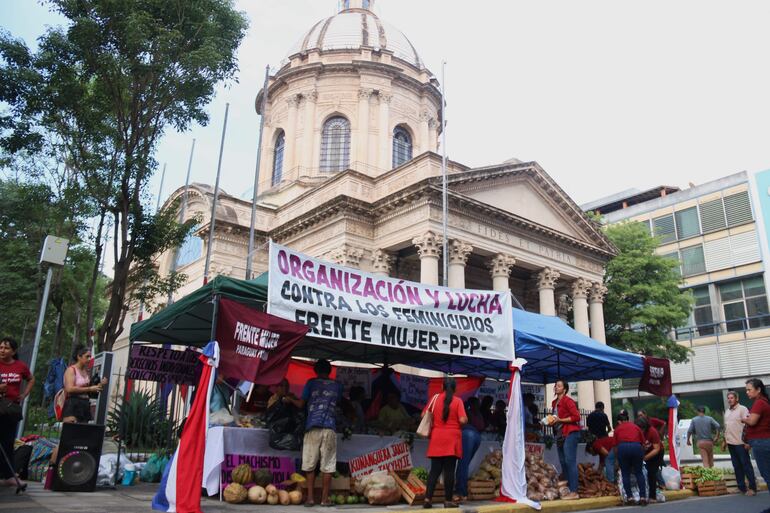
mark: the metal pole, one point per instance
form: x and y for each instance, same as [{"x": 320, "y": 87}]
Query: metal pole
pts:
[
  {"x": 443, "y": 171},
  {"x": 212, "y": 222},
  {"x": 182, "y": 213},
  {"x": 160, "y": 189},
  {"x": 36, "y": 344},
  {"x": 249, "y": 255}
]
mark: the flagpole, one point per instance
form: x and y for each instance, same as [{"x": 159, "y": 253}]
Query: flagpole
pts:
[
  {"x": 213, "y": 219},
  {"x": 182, "y": 214},
  {"x": 250, "y": 255},
  {"x": 444, "y": 171}
]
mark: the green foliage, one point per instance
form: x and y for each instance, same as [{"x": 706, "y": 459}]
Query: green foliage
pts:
[
  {"x": 643, "y": 301},
  {"x": 99, "y": 93},
  {"x": 141, "y": 423}
]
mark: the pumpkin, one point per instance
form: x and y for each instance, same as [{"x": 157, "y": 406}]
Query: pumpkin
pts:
[
  {"x": 242, "y": 474},
  {"x": 271, "y": 490},
  {"x": 295, "y": 497},
  {"x": 263, "y": 477},
  {"x": 235, "y": 493},
  {"x": 283, "y": 497},
  {"x": 272, "y": 499},
  {"x": 257, "y": 495}
]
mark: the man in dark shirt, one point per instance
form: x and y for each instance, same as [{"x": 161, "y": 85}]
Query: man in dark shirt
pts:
[{"x": 598, "y": 423}]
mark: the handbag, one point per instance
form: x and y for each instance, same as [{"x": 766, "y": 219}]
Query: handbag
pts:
[
  {"x": 426, "y": 424},
  {"x": 11, "y": 410}
]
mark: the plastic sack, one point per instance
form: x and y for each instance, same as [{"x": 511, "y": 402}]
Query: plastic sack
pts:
[
  {"x": 107, "y": 464},
  {"x": 153, "y": 469},
  {"x": 672, "y": 478},
  {"x": 221, "y": 417},
  {"x": 634, "y": 486}
]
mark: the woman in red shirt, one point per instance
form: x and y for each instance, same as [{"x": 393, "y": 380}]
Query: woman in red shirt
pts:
[
  {"x": 630, "y": 440},
  {"x": 12, "y": 373},
  {"x": 567, "y": 433},
  {"x": 445, "y": 446},
  {"x": 758, "y": 426},
  {"x": 653, "y": 455},
  {"x": 605, "y": 449}
]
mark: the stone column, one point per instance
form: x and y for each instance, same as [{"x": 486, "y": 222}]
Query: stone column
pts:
[
  {"x": 500, "y": 268},
  {"x": 596, "y": 312},
  {"x": 580, "y": 288},
  {"x": 546, "y": 282},
  {"x": 459, "y": 252},
  {"x": 384, "y": 160},
  {"x": 424, "y": 131},
  {"x": 308, "y": 135},
  {"x": 382, "y": 263},
  {"x": 433, "y": 134},
  {"x": 347, "y": 255},
  {"x": 362, "y": 155},
  {"x": 429, "y": 247},
  {"x": 290, "y": 150}
]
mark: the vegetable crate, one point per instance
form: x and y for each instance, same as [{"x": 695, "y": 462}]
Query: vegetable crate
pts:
[
  {"x": 688, "y": 482},
  {"x": 412, "y": 488},
  {"x": 731, "y": 483},
  {"x": 712, "y": 488},
  {"x": 481, "y": 490}
]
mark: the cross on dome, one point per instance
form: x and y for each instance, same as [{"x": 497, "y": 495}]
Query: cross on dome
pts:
[{"x": 356, "y": 4}]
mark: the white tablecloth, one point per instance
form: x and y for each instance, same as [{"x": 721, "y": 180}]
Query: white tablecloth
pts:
[{"x": 235, "y": 440}]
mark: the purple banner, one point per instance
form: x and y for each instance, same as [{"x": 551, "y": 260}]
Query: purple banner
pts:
[
  {"x": 281, "y": 466},
  {"x": 150, "y": 363}
]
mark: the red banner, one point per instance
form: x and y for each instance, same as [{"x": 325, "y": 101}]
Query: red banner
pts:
[
  {"x": 657, "y": 377},
  {"x": 253, "y": 345}
]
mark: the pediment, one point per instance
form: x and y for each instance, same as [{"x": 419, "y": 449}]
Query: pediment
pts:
[{"x": 531, "y": 196}]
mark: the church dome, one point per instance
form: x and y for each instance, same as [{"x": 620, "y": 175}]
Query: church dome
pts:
[{"x": 354, "y": 27}]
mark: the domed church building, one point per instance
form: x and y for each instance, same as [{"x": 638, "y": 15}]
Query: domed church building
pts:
[{"x": 350, "y": 172}]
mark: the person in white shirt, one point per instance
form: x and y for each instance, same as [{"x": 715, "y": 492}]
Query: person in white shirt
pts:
[{"x": 739, "y": 450}]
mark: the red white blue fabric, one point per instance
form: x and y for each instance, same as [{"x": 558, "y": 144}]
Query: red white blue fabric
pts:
[{"x": 673, "y": 422}]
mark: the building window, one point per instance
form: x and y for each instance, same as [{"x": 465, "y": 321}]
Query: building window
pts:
[
  {"x": 335, "y": 145},
  {"x": 190, "y": 250},
  {"x": 712, "y": 215},
  {"x": 702, "y": 316},
  {"x": 744, "y": 303},
  {"x": 738, "y": 208},
  {"x": 402, "y": 146},
  {"x": 675, "y": 257},
  {"x": 664, "y": 229},
  {"x": 280, "y": 144},
  {"x": 687, "y": 223},
  {"x": 693, "y": 261}
]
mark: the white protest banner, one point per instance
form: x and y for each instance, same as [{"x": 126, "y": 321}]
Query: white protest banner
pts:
[
  {"x": 354, "y": 376},
  {"x": 536, "y": 390},
  {"x": 497, "y": 389},
  {"x": 392, "y": 457},
  {"x": 341, "y": 303},
  {"x": 414, "y": 390}
]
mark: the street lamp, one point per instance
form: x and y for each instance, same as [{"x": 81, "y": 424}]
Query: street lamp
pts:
[{"x": 54, "y": 252}]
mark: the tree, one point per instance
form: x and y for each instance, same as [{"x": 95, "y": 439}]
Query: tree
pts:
[
  {"x": 643, "y": 302},
  {"x": 108, "y": 87}
]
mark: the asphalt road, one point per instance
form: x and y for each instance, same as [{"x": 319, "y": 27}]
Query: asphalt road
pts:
[{"x": 724, "y": 504}]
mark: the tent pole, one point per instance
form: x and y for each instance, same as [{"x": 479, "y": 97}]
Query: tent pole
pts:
[{"x": 214, "y": 316}]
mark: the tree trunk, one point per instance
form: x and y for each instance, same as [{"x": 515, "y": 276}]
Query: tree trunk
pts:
[
  {"x": 98, "y": 249},
  {"x": 113, "y": 326},
  {"x": 59, "y": 327}
]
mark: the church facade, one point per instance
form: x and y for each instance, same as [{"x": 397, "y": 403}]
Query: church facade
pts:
[{"x": 350, "y": 173}]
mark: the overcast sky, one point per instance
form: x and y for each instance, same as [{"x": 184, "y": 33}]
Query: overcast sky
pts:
[{"x": 605, "y": 95}]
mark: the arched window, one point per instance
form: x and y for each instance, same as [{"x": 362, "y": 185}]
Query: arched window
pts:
[
  {"x": 190, "y": 250},
  {"x": 280, "y": 144},
  {"x": 402, "y": 146},
  {"x": 335, "y": 144}
]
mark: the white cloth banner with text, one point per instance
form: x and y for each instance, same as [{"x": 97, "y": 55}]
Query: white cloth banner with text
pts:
[{"x": 341, "y": 303}]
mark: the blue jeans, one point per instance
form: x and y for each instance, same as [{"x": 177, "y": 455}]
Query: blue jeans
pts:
[
  {"x": 742, "y": 466},
  {"x": 471, "y": 443},
  {"x": 609, "y": 466},
  {"x": 761, "y": 450},
  {"x": 630, "y": 456},
  {"x": 568, "y": 459}
]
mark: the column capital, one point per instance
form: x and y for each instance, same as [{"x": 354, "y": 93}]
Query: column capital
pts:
[
  {"x": 500, "y": 265},
  {"x": 347, "y": 255},
  {"x": 432, "y": 123},
  {"x": 580, "y": 288},
  {"x": 382, "y": 261},
  {"x": 598, "y": 291},
  {"x": 547, "y": 278},
  {"x": 384, "y": 97},
  {"x": 310, "y": 96},
  {"x": 428, "y": 244},
  {"x": 293, "y": 100},
  {"x": 365, "y": 93},
  {"x": 459, "y": 252}
]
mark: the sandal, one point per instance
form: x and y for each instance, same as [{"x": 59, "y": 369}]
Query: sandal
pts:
[
  {"x": 309, "y": 504},
  {"x": 427, "y": 504}
]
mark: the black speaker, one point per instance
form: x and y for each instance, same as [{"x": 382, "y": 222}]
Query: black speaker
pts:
[{"x": 77, "y": 461}]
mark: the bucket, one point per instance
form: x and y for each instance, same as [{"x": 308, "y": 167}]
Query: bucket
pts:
[{"x": 129, "y": 474}]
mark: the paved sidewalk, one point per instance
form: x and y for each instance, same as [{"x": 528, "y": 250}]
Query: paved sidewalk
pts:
[{"x": 137, "y": 499}]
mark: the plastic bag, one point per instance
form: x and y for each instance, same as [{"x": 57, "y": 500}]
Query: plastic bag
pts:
[
  {"x": 221, "y": 417},
  {"x": 634, "y": 487},
  {"x": 672, "y": 478},
  {"x": 153, "y": 469},
  {"x": 107, "y": 464}
]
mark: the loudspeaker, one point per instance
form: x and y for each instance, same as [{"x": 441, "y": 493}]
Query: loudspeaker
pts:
[{"x": 77, "y": 461}]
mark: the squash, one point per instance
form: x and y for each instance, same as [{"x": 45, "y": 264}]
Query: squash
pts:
[
  {"x": 272, "y": 499},
  {"x": 242, "y": 474},
  {"x": 283, "y": 497},
  {"x": 234, "y": 493},
  {"x": 271, "y": 490},
  {"x": 257, "y": 495},
  {"x": 263, "y": 477},
  {"x": 295, "y": 497}
]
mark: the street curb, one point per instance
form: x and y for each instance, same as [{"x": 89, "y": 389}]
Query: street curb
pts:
[{"x": 557, "y": 506}]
